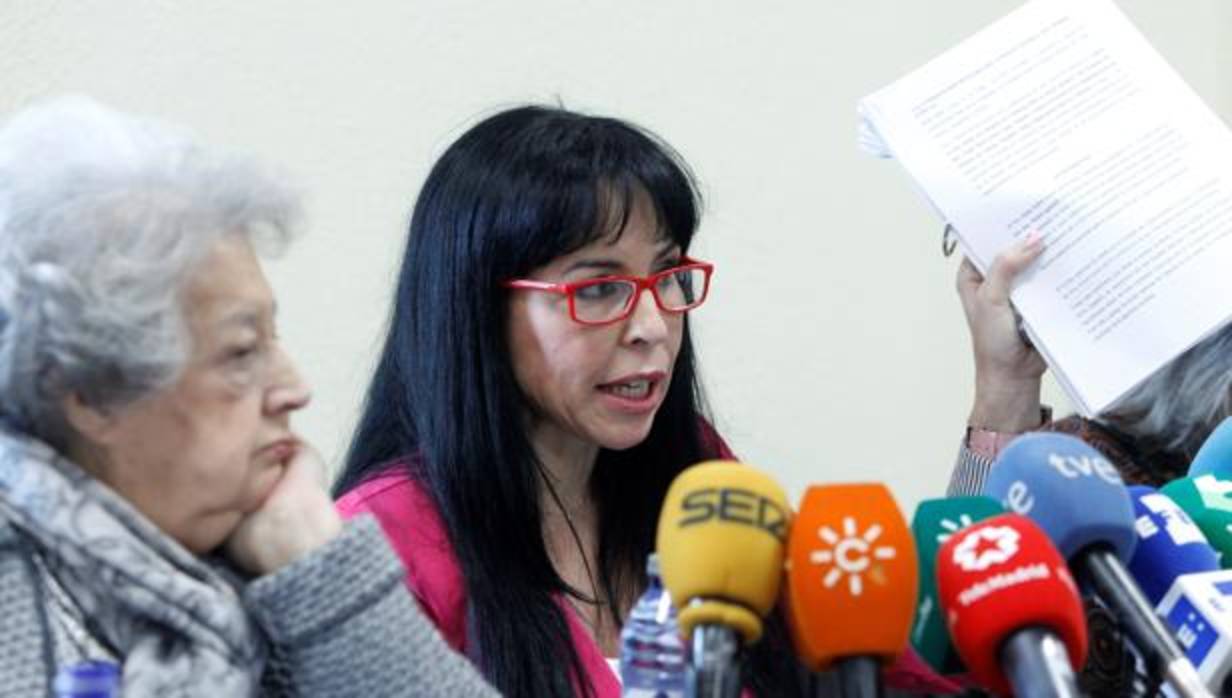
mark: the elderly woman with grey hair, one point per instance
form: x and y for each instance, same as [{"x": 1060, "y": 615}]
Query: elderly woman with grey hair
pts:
[{"x": 157, "y": 511}]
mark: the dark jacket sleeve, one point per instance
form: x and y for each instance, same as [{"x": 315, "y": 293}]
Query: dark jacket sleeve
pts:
[{"x": 342, "y": 623}]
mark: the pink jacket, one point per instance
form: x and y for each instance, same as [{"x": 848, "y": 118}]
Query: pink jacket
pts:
[{"x": 413, "y": 525}]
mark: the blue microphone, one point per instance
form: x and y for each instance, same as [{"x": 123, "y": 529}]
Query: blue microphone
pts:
[
  {"x": 1215, "y": 456},
  {"x": 1080, "y": 501},
  {"x": 1169, "y": 543},
  {"x": 1198, "y": 608}
]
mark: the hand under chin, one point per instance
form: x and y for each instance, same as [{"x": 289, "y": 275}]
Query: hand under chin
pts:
[{"x": 295, "y": 517}]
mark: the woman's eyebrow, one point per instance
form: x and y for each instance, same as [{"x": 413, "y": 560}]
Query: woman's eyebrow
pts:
[
  {"x": 668, "y": 249},
  {"x": 596, "y": 264}
]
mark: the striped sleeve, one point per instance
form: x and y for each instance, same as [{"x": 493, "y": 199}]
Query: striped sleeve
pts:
[{"x": 969, "y": 474}]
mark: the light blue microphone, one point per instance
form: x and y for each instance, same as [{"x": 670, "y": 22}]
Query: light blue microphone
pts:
[
  {"x": 1069, "y": 489},
  {"x": 1080, "y": 501},
  {"x": 1215, "y": 456}
]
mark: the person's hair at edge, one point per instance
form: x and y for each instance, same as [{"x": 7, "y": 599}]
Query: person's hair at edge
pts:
[
  {"x": 1178, "y": 407},
  {"x": 514, "y": 192}
]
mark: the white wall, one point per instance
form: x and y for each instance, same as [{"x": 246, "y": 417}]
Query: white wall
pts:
[{"x": 833, "y": 348}]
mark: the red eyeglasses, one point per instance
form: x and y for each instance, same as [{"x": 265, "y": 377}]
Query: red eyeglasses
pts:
[{"x": 610, "y": 299}]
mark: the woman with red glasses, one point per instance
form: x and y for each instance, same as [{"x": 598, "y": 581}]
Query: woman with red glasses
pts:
[{"x": 537, "y": 394}]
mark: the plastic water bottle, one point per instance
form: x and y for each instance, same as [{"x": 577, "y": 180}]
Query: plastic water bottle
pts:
[
  {"x": 91, "y": 679},
  {"x": 652, "y": 655}
]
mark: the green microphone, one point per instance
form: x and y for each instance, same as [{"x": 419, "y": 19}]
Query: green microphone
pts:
[
  {"x": 1208, "y": 501},
  {"x": 934, "y": 522}
]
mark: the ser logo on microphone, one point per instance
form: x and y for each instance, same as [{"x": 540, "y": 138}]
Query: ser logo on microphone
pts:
[{"x": 734, "y": 505}]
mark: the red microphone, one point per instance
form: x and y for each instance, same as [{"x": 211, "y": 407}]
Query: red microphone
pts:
[{"x": 1012, "y": 607}]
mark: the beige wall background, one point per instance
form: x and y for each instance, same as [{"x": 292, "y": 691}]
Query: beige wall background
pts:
[{"x": 834, "y": 347}]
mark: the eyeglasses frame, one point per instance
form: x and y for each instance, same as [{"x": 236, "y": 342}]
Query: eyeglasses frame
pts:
[{"x": 641, "y": 283}]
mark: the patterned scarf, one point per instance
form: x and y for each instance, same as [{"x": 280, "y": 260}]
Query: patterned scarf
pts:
[{"x": 176, "y": 621}]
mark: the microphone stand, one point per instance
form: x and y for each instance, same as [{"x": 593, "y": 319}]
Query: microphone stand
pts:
[
  {"x": 859, "y": 677},
  {"x": 1164, "y": 657},
  {"x": 715, "y": 671},
  {"x": 1037, "y": 665}
]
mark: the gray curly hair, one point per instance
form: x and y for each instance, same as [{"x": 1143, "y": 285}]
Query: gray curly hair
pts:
[
  {"x": 103, "y": 216},
  {"x": 1178, "y": 407}
]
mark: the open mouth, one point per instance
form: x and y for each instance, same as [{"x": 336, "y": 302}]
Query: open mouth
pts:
[{"x": 632, "y": 390}]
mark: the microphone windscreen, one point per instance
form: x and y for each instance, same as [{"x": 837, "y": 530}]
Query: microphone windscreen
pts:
[
  {"x": 1198, "y": 609},
  {"x": 999, "y": 576},
  {"x": 1208, "y": 501},
  {"x": 720, "y": 540},
  {"x": 934, "y": 522},
  {"x": 1169, "y": 543},
  {"x": 1215, "y": 455},
  {"x": 851, "y": 575},
  {"x": 1069, "y": 489}
]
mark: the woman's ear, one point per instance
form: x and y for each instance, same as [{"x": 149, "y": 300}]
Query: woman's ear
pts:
[{"x": 91, "y": 423}]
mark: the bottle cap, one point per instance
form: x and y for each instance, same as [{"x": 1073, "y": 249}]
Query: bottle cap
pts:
[{"x": 89, "y": 679}]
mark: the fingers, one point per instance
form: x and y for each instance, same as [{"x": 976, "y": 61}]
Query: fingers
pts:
[
  {"x": 968, "y": 276},
  {"x": 1009, "y": 264},
  {"x": 309, "y": 460},
  {"x": 968, "y": 283},
  {"x": 297, "y": 517}
]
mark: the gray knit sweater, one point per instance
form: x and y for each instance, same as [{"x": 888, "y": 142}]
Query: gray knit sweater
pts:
[{"x": 339, "y": 622}]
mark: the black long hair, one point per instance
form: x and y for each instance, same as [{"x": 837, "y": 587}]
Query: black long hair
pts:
[{"x": 513, "y": 193}]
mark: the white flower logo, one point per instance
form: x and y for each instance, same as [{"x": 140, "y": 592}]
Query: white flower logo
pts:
[
  {"x": 985, "y": 547},
  {"x": 952, "y": 527},
  {"x": 850, "y": 554}
]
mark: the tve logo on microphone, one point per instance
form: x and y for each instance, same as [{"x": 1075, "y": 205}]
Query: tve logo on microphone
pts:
[
  {"x": 1069, "y": 466},
  {"x": 1067, "y": 488},
  {"x": 1085, "y": 465}
]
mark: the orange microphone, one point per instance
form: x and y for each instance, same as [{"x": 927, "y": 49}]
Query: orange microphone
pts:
[
  {"x": 720, "y": 544},
  {"x": 851, "y": 583}
]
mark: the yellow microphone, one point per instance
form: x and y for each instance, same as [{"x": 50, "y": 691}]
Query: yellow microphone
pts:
[{"x": 721, "y": 539}]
